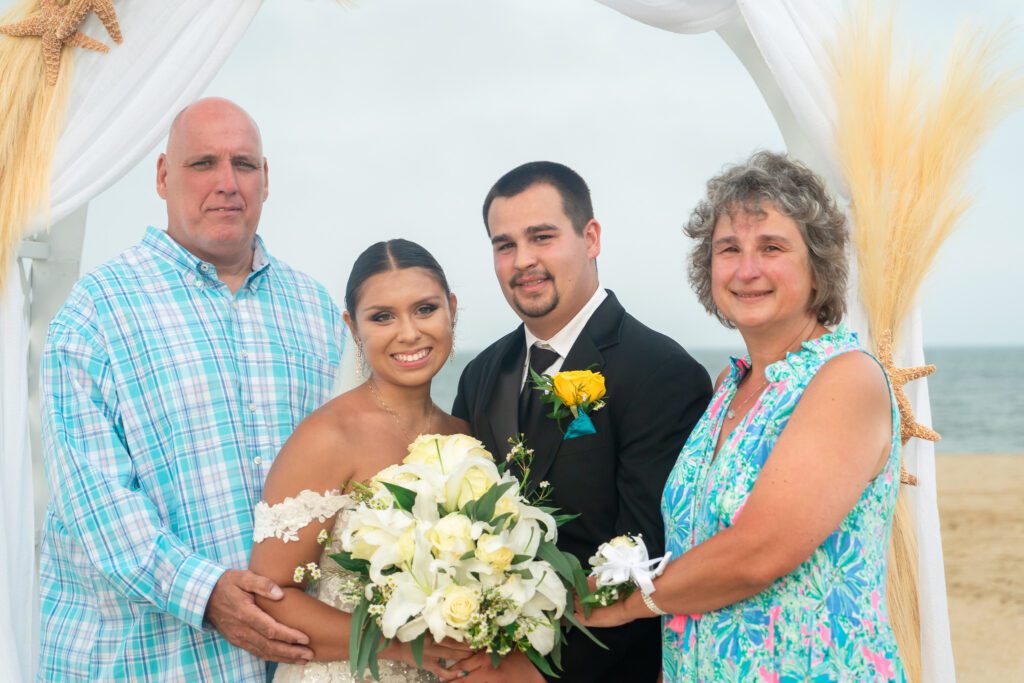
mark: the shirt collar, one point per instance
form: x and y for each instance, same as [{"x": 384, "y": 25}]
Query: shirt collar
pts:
[
  {"x": 563, "y": 340},
  {"x": 162, "y": 244}
]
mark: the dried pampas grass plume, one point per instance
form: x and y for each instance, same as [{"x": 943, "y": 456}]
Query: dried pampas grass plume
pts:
[
  {"x": 31, "y": 119},
  {"x": 905, "y": 147}
]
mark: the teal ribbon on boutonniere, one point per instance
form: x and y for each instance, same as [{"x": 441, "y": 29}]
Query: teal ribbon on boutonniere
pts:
[{"x": 575, "y": 394}]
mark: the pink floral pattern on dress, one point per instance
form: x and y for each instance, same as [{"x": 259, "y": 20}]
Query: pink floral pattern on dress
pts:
[{"x": 825, "y": 621}]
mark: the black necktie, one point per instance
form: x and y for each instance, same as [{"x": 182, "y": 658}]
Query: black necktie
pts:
[{"x": 530, "y": 406}]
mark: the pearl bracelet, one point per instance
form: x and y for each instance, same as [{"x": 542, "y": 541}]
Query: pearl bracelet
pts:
[{"x": 651, "y": 605}]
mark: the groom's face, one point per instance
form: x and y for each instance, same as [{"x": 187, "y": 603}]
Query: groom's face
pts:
[{"x": 546, "y": 269}]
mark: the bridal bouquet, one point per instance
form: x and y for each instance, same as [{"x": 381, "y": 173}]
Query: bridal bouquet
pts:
[{"x": 446, "y": 544}]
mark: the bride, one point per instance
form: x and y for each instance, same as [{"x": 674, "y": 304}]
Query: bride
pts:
[{"x": 401, "y": 315}]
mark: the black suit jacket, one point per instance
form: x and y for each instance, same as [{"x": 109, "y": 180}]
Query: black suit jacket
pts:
[{"x": 613, "y": 479}]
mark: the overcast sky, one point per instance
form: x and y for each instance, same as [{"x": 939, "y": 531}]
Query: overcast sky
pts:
[{"x": 392, "y": 118}]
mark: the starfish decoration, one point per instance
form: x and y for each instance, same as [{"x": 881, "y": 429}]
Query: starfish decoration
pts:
[
  {"x": 57, "y": 26},
  {"x": 909, "y": 426}
]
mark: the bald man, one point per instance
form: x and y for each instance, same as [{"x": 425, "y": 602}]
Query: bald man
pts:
[{"x": 171, "y": 378}]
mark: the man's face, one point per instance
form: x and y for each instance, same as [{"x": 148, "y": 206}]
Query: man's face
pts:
[
  {"x": 546, "y": 270},
  {"x": 214, "y": 179}
]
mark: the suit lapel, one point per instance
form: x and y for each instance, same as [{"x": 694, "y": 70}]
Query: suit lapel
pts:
[
  {"x": 600, "y": 332},
  {"x": 501, "y": 391}
]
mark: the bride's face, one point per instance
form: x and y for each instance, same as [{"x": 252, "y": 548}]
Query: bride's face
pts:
[{"x": 404, "y": 320}]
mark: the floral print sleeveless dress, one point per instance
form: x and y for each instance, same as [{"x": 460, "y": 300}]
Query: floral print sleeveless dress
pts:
[{"x": 825, "y": 621}]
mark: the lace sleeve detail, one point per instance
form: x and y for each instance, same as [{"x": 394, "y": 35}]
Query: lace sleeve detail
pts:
[{"x": 285, "y": 519}]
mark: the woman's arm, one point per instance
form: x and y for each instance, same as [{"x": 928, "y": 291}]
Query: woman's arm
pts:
[
  {"x": 836, "y": 441},
  {"x": 314, "y": 459}
]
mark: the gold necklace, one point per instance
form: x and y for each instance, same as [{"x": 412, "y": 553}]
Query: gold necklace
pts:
[
  {"x": 732, "y": 412},
  {"x": 397, "y": 418}
]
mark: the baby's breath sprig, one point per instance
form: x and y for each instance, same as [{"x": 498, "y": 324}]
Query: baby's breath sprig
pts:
[
  {"x": 522, "y": 455},
  {"x": 361, "y": 492},
  {"x": 312, "y": 569}
]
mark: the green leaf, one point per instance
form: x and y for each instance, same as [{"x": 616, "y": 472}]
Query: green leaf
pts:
[
  {"x": 579, "y": 577},
  {"x": 548, "y": 552},
  {"x": 540, "y": 662},
  {"x": 576, "y": 622},
  {"x": 348, "y": 562},
  {"x": 556, "y": 651},
  {"x": 468, "y": 556},
  {"x": 441, "y": 512},
  {"x": 355, "y": 636},
  {"x": 404, "y": 498},
  {"x": 564, "y": 519},
  {"x": 516, "y": 559},
  {"x": 499, "y": 522},
  {"x": 495, "y": 660},
  {"x": 368, "y": 644},
  {"x": 483, "y": 511},
  {"x": 417, "y": 649}
]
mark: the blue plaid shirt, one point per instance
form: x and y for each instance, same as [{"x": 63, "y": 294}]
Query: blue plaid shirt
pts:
[{"x": 166, "y": 398}]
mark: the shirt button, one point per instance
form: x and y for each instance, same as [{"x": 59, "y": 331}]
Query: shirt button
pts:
[
  {"x": 205, "y": 267},
  {"x": 258, "y": 460},
  {"x": 197, "y": 282},
  {"x": 244, "y": 353},
  {"x": 252, "y": 407}
]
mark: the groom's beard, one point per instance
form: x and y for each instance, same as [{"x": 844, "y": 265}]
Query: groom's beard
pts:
[{"x": 536, "y": 307}]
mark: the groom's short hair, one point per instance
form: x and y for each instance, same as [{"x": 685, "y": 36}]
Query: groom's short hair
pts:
[{"x": 570, "y": 185}]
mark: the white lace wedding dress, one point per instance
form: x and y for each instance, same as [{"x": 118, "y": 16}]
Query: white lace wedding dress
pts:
[{"x": 284, "y": 521}]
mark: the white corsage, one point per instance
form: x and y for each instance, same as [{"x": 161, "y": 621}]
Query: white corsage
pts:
[{"x": 621, "y": 566}]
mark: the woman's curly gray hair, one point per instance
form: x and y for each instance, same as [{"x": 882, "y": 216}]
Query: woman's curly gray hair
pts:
[{"x": 793, "y": 190}]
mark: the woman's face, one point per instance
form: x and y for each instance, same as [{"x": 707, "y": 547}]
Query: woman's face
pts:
[
  {"x": 404, "y": 320},
  {"x": 760, "y": 270}
]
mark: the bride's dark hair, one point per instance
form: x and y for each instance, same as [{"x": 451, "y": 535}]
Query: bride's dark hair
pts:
[{"x": 396, "y": 254}]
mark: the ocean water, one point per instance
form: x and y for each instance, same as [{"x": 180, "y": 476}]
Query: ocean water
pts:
[{"x": 976, "y": 394}]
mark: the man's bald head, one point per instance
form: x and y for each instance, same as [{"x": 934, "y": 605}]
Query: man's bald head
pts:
[
  {"x": 201, "y": 110},
  {"x": 214, "y": 179}
]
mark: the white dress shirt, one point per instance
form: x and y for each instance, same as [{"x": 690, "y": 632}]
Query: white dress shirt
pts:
[{"x": 563, "y": 340}]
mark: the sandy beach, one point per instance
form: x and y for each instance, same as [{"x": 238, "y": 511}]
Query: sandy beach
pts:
[{"x": 981, "y": 507}]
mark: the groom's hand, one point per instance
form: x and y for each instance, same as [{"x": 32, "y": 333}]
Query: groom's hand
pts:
[{"x": 233, "y": 611}]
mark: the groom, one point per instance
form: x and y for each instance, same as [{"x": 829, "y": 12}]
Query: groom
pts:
[{"x": 545, "y": 243}]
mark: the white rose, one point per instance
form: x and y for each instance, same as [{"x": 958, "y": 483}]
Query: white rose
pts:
[
  {"x": 393, "y": 474},
  {"x": 475, "y": 482},
  {"x": 457, "y": 447},
  {"x": 445, "y": 452},
  {"x": 424, "y": 450},
  {"x": 451, "y": 537},
  {"x": 459, "y": 605},
  {"x": 494, "y": 551},
  {"x": 622, "y": 542}
]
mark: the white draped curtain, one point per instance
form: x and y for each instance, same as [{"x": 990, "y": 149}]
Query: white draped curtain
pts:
[
  {"x": 121, "y": 106},
  {"x": 792, "y": 37},
  {"x": 17, "y": 554}
]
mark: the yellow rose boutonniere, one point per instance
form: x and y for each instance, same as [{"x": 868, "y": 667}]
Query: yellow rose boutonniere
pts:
[{"x": 575, "y": 393}]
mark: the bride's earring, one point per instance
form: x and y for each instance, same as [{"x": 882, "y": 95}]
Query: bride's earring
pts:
[
  {"x": 360, "y": 360},
  {"x": 451, "y": 354}
]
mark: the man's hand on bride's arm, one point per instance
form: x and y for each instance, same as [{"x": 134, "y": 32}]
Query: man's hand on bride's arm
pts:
[
  {"x": 232, "y": 610},
  {"x": 435, "y": 656},
  {"x": 515, "y": 668}
]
